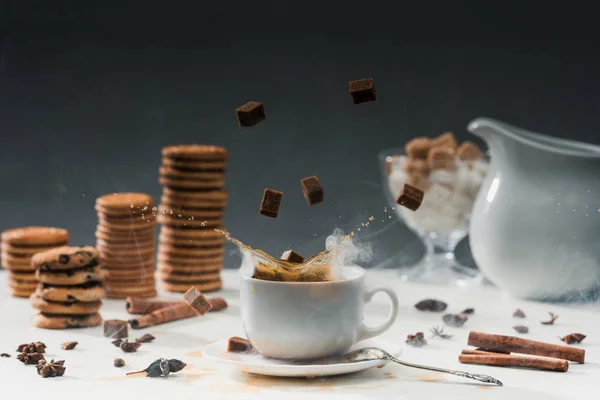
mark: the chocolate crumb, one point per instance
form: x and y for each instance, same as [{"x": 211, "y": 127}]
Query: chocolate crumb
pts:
[
  {"x": 431, "y": 305},
  {"x": 411, "y": 197},
  {"x": 519, "y": 313},
  {"x": 146, "y": 338},
  {"x": 416, "y": 340},
  {"x": 455, "y": 321},
  {"x": 521, "y": 329},
  {"x": 5, "y": 355},
  {"x": 553, "y": 318},
  {"x": 271, "y": 201},
  {"x": 313, "y": 191},
  {"x": 119, "y": 362},
  {"x": 64, "y": 259},
  {"x": 573, "y": 338},
  {"x": 362, "y": 90},
  {"x": 68, "y": 345},
  {"x": 237, "y": 344}
]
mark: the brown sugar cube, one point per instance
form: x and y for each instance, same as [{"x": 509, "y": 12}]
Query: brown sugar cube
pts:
[
  {"x": 238, "y": 345},
  {"x": 441, "y": 158},
  {"x": 197, "y": 301},
  {"x": 270, "y": 203},
  {"x": 362, "y": 91},
  {"x": 411, "y": 197},
  {"x": 416, "y": 166},
  {"x": 418, "y": 147},
  {"x": 292, "y": 256},
  {"x": 419, "y": 181},
  {"x": 469, "y": 151},
  {"x": 115, "y": 328},
  {"x": 312, "y": 189},
  {"x": 445, "y": 140},
  {"x": 251, "y": 113}
]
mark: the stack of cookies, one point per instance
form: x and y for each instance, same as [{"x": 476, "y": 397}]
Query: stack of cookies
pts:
[
  {"x": 70, "y": 290},
  {"x": 18, "y": 246},
  {"x": 190, "y": 251},
  {"x": 125, "y": 241}
]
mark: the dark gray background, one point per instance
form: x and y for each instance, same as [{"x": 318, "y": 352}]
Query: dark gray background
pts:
[{"x": 91, "y": 91}]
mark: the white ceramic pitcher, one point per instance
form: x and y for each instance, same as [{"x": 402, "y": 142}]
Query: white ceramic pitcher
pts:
[{"x": 535, "y": 226}]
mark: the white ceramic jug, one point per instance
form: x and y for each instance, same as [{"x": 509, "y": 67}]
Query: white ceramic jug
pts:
[{"x": 535, "y": 225}]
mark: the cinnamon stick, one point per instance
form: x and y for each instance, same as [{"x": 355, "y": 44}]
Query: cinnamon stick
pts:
[
  {"x": 518, "y": 345},
  {"x": 138, "y": 305},
  {"x": 163, "y": 315},
  {"x": 507, "y": 360}
]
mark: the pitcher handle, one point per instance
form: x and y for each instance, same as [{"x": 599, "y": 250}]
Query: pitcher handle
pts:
[{"x": 367, "y": 332}]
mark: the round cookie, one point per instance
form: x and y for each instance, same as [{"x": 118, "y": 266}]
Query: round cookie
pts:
[
  {"x": 164, "y": 258},
  {"x": 124, "y": 202},
  {"x": 66, "y": 258},
  {"x": 35, "y": 236},
  {"x": 121, "y": 294},
  {"x": 15, "y": 258},
  {"x": 199, "y": 195},
  {"x": 18, "y": 264},
  {"x": 191, "y": 183},
  {"x": 19, "y": 292},
  {"x": 57, "y": 321},
  {"x": 114, "y": 263},
  {"x": 194, "y": 278},
  {"x": 110, "y": 244},
  {"x": 27, "y": 251},
  {"x": 110, "y": 235},
  {"x": 76, "y": 308},
  {"x": 129, "y": 282},
  {"x": 183, "y": 287},
  {"x": 22, "y": 276},
  {"x": 127, "y": 225},
  {"x": 170, "y": 268},
  {"x": 126, "y": 254},
  {"x": 85, "y": 293},
  {"x": 22, "y": 285},
  {"x": 190, "y": 233},
  {"x": 72, "y": 277},
  {"x": 196, "y": 165},
  {"x": 178, "y": 252},
  {"x": 206, "y": 175},
  {"x": 205, "y": 223},
  {"x": 166, "y": 240},
  {"x": 181, "y": 203},
  {"x": 194, "y": 152},
  {"x": 131, "y": 220}
]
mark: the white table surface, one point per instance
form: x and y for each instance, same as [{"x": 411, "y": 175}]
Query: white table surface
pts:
[{"x": 90, "y": 373}]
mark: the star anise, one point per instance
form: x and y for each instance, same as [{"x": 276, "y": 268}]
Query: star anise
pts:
[
  {"x": 51, "y": 369},
  {"x": 33, "y": 347},
  {"x": 553, "y": 318},
  {"x": 162, "y": 367},
  {"x": 439, "y": 332},
  {"x": 30, "y": 358}
]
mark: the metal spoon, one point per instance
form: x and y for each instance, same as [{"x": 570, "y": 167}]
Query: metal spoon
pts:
[{"x": 374, "y": 353}]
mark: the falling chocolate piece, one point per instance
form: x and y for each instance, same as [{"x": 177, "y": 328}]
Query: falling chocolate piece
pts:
[
  {"x": 362, "y": 90},
  {"x": 553, "y": 318},
  {"x": 521, "y": 329},
  {"x": 411, "y": 197},
  {"x": 313, "y": 191},
  {"x": 455, "y": 321},
  {"x": 251, "y": 113},
  {"x": 237, "y": 344},
  {"x": 270, "y": 203},
  {"x": 115, "y": 328},
  {"x": 197, "y": 301},
  {"x": 518, "y": 313},
  {"x": 119, "y": 362},
  {"x": 292, "y": 256},
  {"x": 573, "y": 338},
  {"x": 416, "y": 340},
  {"x": 68, "y": 345},
  {"x": 431, "y": 305}
]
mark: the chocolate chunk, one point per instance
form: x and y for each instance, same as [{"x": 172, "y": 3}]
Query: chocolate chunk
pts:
[
  {"x": 64, "y": 259},
  {"x": 521, "y": 329},
  {"x": 431, "y": 305},
  {"x": 197, "y": 301},
  {"x": 237, "y": 344},
  {"x": 468, "y": 311},
  {"x": 68, "y": 345},
  {"x": 270, "y": 203},
  {"x": 115, "y": 328},
  {"x": 362, "y": 91},
  {"x": 312, "y": 189},
  {"x": 411, "y": 197},
  {"x": 251, "y": 113},
  {"x": 519, "y": 313},
  {"x": 292, "y": 256},
  {"x": 119, "y": 362}
]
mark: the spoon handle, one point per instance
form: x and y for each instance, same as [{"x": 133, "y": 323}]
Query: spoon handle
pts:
[{"x": 477, "y": 377}]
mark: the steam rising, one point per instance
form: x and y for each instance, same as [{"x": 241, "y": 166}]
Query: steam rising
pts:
[{"x": 348, "y": 250}]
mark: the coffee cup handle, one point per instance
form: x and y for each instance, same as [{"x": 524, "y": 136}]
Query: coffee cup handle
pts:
[{"x": 367, "y": 332}]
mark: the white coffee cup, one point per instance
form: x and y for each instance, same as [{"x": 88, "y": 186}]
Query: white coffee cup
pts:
[{"x": 309, "y": 320}]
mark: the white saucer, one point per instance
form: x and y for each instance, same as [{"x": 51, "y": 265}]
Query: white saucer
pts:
[{"x": 253, "y": 363}]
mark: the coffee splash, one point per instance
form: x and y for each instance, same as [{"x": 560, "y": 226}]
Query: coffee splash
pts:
[{"x": 340, "y": 250}]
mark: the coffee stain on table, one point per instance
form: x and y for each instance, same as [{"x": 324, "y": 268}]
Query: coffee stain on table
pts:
[
  {"x": 484, "y": 387},
  {"x": 123, "y": 377},
  {"x": 196, "y": 354},
  {"x": 428, "y": 377}
]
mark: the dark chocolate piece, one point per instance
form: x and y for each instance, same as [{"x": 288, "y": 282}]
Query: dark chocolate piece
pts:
[
  {"x": 119, "y": 362},
  {"x": 68, "y": 345},
  {"x": 362, "y": 91},
  {"x": 431, "y": 305},
  {"x": 237, "y": 344},
  {"x": 197, "y": 301},
  {"x": 292, "y": 256},
  {"x": 251, "y": 113},
  {"x": 411, "y": 197},
  {"x": 270, "y": 203},
  {"x": 312, "y": 189},
  {"x": 115, "y": 328}
]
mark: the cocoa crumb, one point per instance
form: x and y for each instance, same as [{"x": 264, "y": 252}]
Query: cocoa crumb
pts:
[{"x": 119, "y": 362}]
